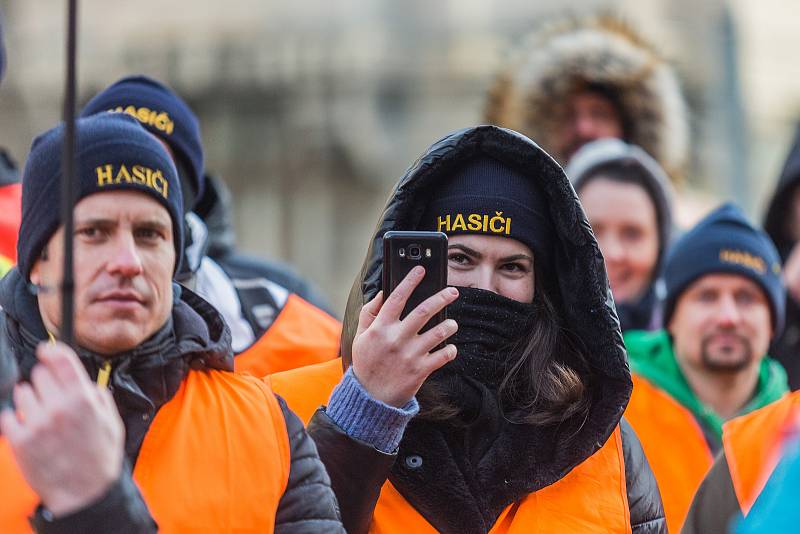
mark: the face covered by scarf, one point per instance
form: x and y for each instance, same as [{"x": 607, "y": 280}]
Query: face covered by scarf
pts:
[{"x": 491, "y": 329}]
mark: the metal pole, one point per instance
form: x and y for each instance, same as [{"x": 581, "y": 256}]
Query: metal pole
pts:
[{"x": 68, "y": 169}]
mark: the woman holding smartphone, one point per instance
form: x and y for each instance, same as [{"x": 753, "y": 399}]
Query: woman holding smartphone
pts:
[{"x": 514, "y": 425}]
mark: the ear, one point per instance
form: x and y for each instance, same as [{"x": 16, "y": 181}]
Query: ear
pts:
[{"x": 36, "y": 275}]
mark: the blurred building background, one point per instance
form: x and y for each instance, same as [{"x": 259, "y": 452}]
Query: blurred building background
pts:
[{"x": 312, "y": 109}]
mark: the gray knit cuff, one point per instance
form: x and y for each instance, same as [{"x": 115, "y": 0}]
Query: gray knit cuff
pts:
[{"x": 361, "y": 417}]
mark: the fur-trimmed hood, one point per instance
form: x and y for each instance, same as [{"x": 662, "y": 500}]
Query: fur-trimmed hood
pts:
[
  {"x": 563, "y": 55},
  {"x": 582, "y": 286}
]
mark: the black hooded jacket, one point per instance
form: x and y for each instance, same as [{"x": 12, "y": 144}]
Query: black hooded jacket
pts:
[
  {"x": 444, "y": 493},
  {"x": 142, "y": 381},
  {"x": 786, "y": 348}
]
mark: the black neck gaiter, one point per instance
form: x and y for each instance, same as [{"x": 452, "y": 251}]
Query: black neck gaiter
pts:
[{"x": 490, "y": 329}]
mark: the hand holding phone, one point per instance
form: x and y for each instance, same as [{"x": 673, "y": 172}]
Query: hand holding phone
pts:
[{"x": 397, "y": 346}]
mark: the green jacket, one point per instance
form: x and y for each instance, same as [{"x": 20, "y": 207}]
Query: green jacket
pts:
[{"x": 651, "y": 356}]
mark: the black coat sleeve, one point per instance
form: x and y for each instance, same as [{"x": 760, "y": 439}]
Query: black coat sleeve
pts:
[
  {"x": 644, "y": 499},
  {"x": 357, "y": 469},
  {"x": 308, "y": 505},
  {"x": 715, "y": 504},
  {"x": 121, "y": 510}
]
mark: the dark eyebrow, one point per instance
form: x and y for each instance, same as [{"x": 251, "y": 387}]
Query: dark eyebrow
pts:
[
  {"x": 475, "y": 254},
  {"x": 96, "y": 221},
  {"x": 517, "y": 257},
  {"x": 153, "y": 224},
  {"x": 466, "y": 250}
]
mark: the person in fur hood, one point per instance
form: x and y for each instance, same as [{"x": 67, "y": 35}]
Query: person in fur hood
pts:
[
  {"x": 577, "y": 79},
  {"x": 515, "y": 424}
]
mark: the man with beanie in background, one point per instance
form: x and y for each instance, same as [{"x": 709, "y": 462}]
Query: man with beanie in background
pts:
[
  {"x": 724, "y": 304},
  {"x": 272, "y": 328},
  {"x": 206, "y": 447}
]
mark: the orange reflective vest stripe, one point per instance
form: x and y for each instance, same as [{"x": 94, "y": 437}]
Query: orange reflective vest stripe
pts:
[
  {"x": 674, "y": 444},
  {"x": 752, "y": 446},
  {"x": 301, "y": 335},
  {"x": 591, "y": 498},
  {"x": 215, "y": 459}
]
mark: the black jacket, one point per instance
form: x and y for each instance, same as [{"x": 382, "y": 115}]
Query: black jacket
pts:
[
  {"x": 145, "y": 379},
  {"x": 435, "y": 482},
  {"x": 786, "y": 348}
]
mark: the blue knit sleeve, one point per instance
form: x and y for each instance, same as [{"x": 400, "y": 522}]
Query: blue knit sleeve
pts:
[{"x": 353, "y": 409}]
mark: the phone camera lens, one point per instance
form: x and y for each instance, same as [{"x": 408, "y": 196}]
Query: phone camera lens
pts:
[{"x": 414, "y": 252}]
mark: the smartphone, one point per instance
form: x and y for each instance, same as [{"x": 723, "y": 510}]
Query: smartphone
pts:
[{"x": 402, "y": 251}]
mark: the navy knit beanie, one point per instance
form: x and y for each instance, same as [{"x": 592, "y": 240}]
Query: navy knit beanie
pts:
[
  {"x": 488, "y": 197},
  {"x": 725, "y": 242},
  {"x": 113, "y": 152},
  {"x": 163, "y": 113}
]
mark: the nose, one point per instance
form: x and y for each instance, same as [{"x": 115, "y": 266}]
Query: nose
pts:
[
  {"x": 585, "y": 125},
  {"x": 125, "y": 259},
  {"x": 483, "y": 279},
  {"x": 728, "y": 313},
  {"x": 612, "y": 248}
]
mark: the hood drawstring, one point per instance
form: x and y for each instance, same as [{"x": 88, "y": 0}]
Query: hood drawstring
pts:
[{"x": 103, "y": 374}]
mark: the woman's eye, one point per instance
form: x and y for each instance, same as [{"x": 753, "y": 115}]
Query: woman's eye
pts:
[
  {"x": 461, "y": 259},
  {"x": 632, "y": 234},
  {"x": 514, "y": 267}
]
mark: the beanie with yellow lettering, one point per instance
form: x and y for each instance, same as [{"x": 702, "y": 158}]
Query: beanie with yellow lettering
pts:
[
  {"x": 164, "y": 114},
  {"x": 113, "y": 152},
  {"x": 486, "y": 196},
  {"x": 725, "y": 242}
]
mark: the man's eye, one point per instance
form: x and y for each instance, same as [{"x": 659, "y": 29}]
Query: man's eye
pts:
[
  {"x": 147, "y": 233},
  {"x": 707, "y": 296},
  {"x": 745, "y": 297},
  {"x": 89, "y": 232}
]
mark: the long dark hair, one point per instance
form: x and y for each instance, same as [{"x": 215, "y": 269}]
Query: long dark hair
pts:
[{"x": 544, "y": 381}]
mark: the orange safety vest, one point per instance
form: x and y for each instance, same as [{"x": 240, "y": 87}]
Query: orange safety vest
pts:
[
  {"x": 591, "y": 498},
  {"x": 215, "y": 459},
  {"x": 674, "y": 444},
  {"x": 752, "y": 446},
  {"x": 301, "y": 335}
]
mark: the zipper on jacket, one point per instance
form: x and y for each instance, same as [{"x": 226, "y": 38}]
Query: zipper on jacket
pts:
[{"x": 103, "y": 374}]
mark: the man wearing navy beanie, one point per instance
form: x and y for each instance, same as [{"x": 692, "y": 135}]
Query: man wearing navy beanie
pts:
[
  {"x": 273, "y": 328},
  {"x": 166, "y": 405},
  {"x": 724, "y": 303}
]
